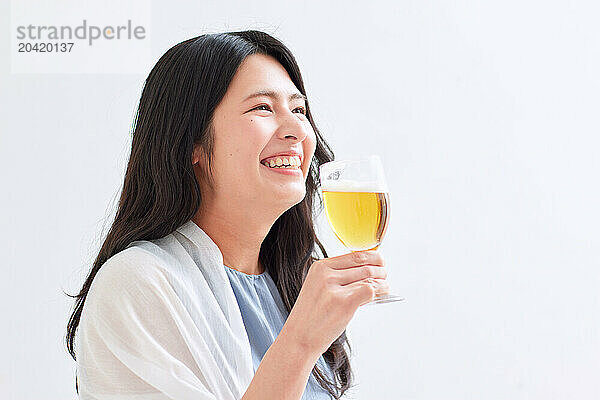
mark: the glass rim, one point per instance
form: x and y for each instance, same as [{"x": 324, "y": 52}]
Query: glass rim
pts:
[{"x": 352, "y": 160}]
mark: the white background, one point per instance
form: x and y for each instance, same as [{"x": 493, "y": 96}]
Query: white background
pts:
[{"x": 486, "y": 117}]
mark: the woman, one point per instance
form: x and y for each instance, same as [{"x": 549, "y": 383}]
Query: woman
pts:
[{"x": 207, "y": 285}]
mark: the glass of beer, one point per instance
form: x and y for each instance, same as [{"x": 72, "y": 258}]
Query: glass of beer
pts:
[{"x": 357, "y": 204}]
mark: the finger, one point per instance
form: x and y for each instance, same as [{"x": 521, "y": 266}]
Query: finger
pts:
[
  {"x": 383, "y": 288},
  {"x": 356, "y": 258},
  {"x": 350, "y": 275},
  {"x": 380, "y": 285},
  {"x": 362, "y": 292}
]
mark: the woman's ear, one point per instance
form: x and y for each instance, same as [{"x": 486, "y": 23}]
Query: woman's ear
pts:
[
  {"x": 200, "y": 165},
  {"x": 196, "y": 155}
]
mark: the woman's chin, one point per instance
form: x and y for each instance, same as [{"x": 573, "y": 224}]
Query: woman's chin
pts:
[{"x": 287, "y": 197}]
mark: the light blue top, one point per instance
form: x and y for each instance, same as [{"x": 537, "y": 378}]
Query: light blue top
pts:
[{"x": 264, "y": 314}]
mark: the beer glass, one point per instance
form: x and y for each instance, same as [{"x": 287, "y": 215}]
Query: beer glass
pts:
[{"x": 357, "y": 204}]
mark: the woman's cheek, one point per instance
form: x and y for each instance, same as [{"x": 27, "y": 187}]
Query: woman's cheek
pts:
[
  {"x": 310, "y": 143},
  {"x": 257, "y": 127}
]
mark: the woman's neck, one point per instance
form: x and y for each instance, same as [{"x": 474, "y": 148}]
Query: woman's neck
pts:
[{"x": 238, "y": 235}]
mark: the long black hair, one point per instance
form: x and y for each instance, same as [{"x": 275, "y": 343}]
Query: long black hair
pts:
[{"x": 160, "y": 191}]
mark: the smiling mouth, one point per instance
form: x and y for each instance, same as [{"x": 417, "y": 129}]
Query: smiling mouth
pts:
[{"x": 290, "y": 162}]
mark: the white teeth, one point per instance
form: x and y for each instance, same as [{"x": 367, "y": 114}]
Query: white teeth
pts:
[{"x": 285, "y": 162}]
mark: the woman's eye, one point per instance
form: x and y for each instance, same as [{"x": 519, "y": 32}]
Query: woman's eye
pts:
[
  {"x": 262, "y": 107},
  {"x": 302, "y": 110},
  {"x": 265, "y": 107}
]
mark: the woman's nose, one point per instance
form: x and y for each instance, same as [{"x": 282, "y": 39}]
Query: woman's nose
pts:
[{"x": 292, "y": 127}]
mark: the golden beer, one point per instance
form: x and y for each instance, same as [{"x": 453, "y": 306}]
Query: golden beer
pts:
[{"x": 358, "y": 219}]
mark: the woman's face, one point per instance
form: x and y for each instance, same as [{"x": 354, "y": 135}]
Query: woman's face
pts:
[{"x": 261, "y": 115}]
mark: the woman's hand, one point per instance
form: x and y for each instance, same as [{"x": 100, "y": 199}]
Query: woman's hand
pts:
[{"x": 333, "y": 290}]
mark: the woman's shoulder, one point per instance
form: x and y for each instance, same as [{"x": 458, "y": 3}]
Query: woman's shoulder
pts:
[
  {"x": 167, "y": 258},
  {"x": 147, "y": 253},
  {"x": 133, "y": 264},
  {"x": 140, "y": 260}
]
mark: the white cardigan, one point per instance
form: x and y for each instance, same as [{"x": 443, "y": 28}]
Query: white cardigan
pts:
[{"x": 161, "y": 322}]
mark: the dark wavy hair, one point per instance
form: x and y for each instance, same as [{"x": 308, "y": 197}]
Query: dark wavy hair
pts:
[{"x": 160, "y": 192}]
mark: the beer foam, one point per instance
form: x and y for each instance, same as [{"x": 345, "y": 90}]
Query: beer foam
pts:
[{"x": 354, "y": 186}]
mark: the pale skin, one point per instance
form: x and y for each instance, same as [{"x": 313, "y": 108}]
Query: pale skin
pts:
[
  {"x": 246, "y": 200},
  {"x": 244, "y": 136}
]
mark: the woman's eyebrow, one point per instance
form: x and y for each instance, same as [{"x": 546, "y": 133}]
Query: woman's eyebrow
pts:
[{"x": 275, "y": 95}]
